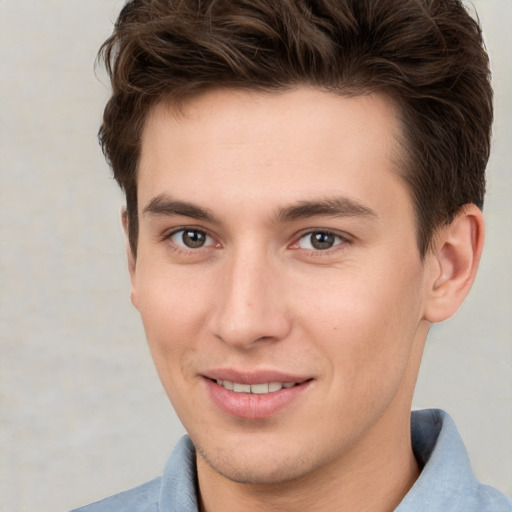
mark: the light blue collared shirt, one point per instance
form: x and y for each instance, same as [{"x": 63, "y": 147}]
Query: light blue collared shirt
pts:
[{"x": 446, "y": 483}]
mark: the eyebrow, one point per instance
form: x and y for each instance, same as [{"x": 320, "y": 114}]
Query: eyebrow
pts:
[
  {"x": 167, "y": 206},
  {"x": 329, "y": 207}
]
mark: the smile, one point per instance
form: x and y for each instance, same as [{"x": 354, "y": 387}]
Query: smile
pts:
[
  {"x": 255, "y": 389},
  {"x": 263, "y": 397}
]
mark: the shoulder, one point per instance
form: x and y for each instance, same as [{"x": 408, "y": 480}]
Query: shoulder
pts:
[
  {"x": 143, "y": 498},
  {"x": 447, "y": 481},
  {"x": 490, "y": 499},
  {"x": 174, "y": 491}
]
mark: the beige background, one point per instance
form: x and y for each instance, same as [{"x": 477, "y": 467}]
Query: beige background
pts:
[{"x": 82, "y": 413}]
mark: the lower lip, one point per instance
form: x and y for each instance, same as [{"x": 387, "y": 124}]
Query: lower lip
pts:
[{"x": 252, "y": 406}]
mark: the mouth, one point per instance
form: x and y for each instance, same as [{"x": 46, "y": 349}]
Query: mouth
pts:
[
  {"x": 255, "y": 389},
  {"x": 255, "y": 397}
]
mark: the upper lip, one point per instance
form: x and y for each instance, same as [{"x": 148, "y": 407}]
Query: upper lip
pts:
[{"x": 252, "y": 377}]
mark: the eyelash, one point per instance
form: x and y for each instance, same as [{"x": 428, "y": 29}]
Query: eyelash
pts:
[
  {"x": 182, "y": 248},
  {"x": 340, "y": 240}
]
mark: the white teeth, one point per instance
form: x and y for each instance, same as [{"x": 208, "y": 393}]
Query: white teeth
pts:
[
  {"x": 241, "y": 388},
  {"x": 275, "y": 386},
  {"x": 226, "y": 383},
  {"x": 259, "y": 389},
  {"x": 256, "y": 389}
]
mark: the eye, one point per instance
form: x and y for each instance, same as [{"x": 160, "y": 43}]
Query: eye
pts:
[
  {"x": 191, "y": 238},
  {"x": 319, "y": 240}
]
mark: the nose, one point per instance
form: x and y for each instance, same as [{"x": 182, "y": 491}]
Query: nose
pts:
[{"x": 251, "y": 304}]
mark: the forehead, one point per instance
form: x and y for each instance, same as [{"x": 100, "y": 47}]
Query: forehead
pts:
[{"x": 229, "y": 145}]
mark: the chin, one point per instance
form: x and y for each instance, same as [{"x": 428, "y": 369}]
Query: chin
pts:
[{"x": 262, "y": 468}]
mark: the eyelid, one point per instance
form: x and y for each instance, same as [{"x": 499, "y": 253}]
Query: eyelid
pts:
[
  {"x": 169, "y": 234},
  {"x": 343, "y": 237}
]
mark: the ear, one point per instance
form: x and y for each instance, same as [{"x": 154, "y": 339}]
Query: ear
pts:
[
  {"x": 454, "y": 263},
  {"x": 129, "y": 256}
]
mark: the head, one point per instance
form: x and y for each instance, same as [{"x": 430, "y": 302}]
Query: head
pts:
[
  {"x": 427, "y": 56},
  {"x": 295, "y": 174}
]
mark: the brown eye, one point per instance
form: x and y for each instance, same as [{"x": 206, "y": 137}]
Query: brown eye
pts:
[
  {"x": 191, "y": 238},
  {"x": 319, "y": 240}
]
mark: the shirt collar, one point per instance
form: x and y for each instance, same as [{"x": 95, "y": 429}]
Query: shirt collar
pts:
[
  {"x": 446, "y": 478},
  {"x": 179, "y": 480},
  {"x": 446, "y": 481}
]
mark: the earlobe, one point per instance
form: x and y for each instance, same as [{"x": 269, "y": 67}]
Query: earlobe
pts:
[
  {"x": 129, "y": 256},
  {"x": 454, "y": 263}
]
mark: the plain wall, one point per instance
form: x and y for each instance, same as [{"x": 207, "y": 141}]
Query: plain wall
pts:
[{"x": 82, "y": 413}]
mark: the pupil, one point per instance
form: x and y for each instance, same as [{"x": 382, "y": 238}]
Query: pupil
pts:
[
  {"x": 322, "y": 240},
  {"x": 193, "y": 239}
]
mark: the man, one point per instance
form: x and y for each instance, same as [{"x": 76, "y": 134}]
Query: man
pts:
[{"x": 304, "y": 184}]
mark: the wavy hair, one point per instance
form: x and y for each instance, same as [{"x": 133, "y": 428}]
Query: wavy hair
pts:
[{"x": 428, "y": 55}]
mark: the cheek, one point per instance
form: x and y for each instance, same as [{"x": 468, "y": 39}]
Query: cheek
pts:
[
  {"x": 168, "y": 299},
  {"x": 172, "y": 316},
  {"x": 365, "y": 321}
]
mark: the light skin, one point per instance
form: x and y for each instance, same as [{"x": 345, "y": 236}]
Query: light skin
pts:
[{"x": 277, "y": 242}]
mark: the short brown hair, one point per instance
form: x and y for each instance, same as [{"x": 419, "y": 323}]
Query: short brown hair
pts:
[{"x": 428, "y": 55}]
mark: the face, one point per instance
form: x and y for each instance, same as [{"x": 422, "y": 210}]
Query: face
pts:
[{"x": 278, "y": 278}]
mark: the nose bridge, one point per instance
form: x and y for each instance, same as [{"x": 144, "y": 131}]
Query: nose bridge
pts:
[{"x": 250, "y": 306}]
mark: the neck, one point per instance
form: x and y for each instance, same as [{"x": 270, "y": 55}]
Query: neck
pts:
[{"x": 372, "y": 477}]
